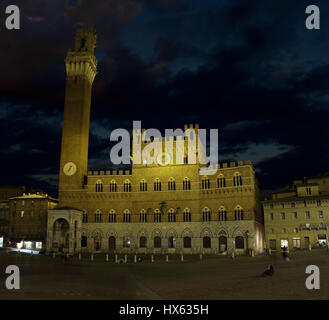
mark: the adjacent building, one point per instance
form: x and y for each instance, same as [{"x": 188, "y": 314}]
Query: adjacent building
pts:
[
  {"x": 28, "y": 213},
  {"x": 298, "y": 215},
  {"x": 7, "y": 192}
]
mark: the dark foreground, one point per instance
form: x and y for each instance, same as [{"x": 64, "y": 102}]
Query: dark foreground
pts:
[{"x": 43, "y": 277}]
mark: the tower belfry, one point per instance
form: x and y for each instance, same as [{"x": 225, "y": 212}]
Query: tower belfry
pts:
[{"x": 81, "y": 69}]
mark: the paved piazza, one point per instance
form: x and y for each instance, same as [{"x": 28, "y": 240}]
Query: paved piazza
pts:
[{"x": 215, "y": 277}]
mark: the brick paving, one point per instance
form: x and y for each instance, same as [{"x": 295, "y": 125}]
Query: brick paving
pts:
[{"x": 215, "y": 277}]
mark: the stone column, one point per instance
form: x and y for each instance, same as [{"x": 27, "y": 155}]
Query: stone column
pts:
[
  {"x": 90, "y": 244},
  {"x": 230, "y": 244}
]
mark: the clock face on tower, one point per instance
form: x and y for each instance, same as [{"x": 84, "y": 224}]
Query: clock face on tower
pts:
[
  {"x": 163, "y": 159},
  {"x": 70, "y": 168}
]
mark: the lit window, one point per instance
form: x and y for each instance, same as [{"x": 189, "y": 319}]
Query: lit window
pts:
[
  {"x": 126, "y": 242},
  {"x": 171, "y": 242}
]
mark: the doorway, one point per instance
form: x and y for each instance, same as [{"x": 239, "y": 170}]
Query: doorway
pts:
[{"x": 112, "y": 244}]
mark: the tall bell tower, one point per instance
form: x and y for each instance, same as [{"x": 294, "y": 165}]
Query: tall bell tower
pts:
[{"x": 81, "y": 69}]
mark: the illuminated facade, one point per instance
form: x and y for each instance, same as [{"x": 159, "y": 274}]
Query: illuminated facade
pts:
[
  {"x": 28, "y": 220},
  {"x": 152, "y": 208},
  {"x": 298, "y": 216}
]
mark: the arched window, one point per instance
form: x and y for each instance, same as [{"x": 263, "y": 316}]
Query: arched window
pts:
[
  {"x": 126, "y": 242},
  {"x": 83, "y": 241},
  {"x": 143, "y": 216},
  {"x": 206, "y": 242},
  {"x": 222, "y": 243},
  {"x": 171, "y": 215},
  {"x": 171, "y": 242},
  {"x": 99, "y": 186},
  {"x": 238, "y": 213},
  {"x": 237, "y": 179},
  {"x": 126, "y": 216},
  {"x": 171, "y": 184},
  {"x": 113, "y": 186},
  {"x": 222, "y": 214},
  {"x": 186, "y": 184},
  {"x": 206, "y": 214},
  {"x": 143, "y": 185},
  {"x": 239, "y": 242},
  {"x": 142, "y": 242},
  {"x": 157, "y": 184},
  {"x": 157, "y": 242},
  {"x": 205, "y": 183},
  {"x": 157, "y": 216},
  {"x": 221, "y": 181},
  {"x": 187, "y": 242},
  {"x": 112, "y": 244},
  {"x": 127, "y": 186},
  {"x": 98, "y": 216},
  {"x": 112, "y": 216},
  {"x": 84, "y": 217},
  {"x": 187, "y": 215}
]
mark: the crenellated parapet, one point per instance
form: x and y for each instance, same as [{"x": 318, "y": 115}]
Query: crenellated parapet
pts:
[
  {"x": 109, "y": 173},
  {"x": 82, "y": 63}
]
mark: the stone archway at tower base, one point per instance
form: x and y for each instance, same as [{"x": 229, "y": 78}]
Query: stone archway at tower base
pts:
[{"x": 64, "y": 230}]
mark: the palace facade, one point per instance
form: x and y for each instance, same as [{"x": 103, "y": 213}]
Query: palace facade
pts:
[{"x": 164, "y": 206}]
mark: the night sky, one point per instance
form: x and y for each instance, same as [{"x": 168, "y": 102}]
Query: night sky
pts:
[{"x": 247, "y": 67}]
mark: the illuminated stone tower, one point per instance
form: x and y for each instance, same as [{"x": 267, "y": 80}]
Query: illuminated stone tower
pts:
[{"x": 81, "y": 69}]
